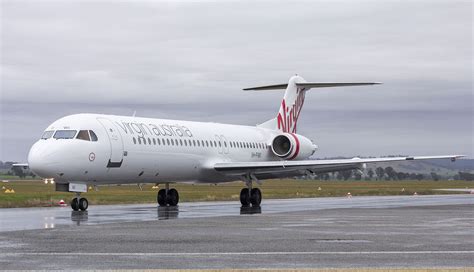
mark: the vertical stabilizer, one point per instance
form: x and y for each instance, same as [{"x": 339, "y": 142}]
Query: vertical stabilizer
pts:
[
  {"x": 292, "y": 103},
  {"x": 290, "y": 107}
]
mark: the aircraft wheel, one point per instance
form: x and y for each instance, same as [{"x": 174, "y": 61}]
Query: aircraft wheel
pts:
[
  {"x": 173, "y": 197},
  {"x": 83, "y": 204},
  {"x": 75, "y": 204},
  {"x": 255, "y": 197},
  {"x": 161, "y": 197},
  {"x": 245, "y": 197}
]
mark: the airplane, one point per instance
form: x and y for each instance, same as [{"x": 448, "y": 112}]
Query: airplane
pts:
[{"x": 82, "y": 150}]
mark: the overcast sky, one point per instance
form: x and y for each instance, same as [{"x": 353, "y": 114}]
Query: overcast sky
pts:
[{"x": 190, "y": 60}]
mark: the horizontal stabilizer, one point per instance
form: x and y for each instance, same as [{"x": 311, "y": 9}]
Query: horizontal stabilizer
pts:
[
  {"x": 269, "y": 87},
  {"x": 309, "y": 85}
]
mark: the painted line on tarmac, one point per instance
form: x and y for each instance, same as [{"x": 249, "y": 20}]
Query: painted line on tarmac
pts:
[{"x": 184, "y": 254}]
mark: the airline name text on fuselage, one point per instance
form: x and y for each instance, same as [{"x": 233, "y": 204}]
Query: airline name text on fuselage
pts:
[{"x": 155, "y": 130}]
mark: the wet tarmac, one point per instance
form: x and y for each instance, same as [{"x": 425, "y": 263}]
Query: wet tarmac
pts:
[
  {"x": 58, "y": 217},
  {"x": 393, "y": 232}
]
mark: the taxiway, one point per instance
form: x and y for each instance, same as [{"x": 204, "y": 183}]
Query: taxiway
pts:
[{"x": 395, "y": 231}]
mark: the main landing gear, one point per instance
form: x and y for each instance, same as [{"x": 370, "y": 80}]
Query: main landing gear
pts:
[
  {"x": 79, "y": 203},
  {"x": 250, "y": 195},
  {"x": 167, "y": 196}
]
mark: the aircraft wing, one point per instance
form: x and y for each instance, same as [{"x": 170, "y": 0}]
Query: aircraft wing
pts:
[
  {"x": 279, "y": 169},
  {"x": 20, "y": 165}
]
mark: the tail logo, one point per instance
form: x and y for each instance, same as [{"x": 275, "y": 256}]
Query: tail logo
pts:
[{"x": 288, "y": 116}]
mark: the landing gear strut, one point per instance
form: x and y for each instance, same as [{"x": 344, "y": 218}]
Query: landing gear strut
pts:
[
  {"x": 167, "y": 196},
  {"x": 250, "y": 195},
  {"x": 79, "y": 203}
]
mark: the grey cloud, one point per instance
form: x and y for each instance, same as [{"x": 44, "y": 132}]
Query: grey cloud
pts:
[{"x": 190, "y": 60}]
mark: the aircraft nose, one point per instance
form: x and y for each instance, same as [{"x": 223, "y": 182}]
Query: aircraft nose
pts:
[{"x": 40, "y": 160}]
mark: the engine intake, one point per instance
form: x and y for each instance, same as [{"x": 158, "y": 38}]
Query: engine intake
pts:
[
  {"x": 281, "y": 146},
  {"x": 292, "y": 146}
]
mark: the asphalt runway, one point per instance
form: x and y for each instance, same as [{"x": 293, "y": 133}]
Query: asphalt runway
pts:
[{"x": 357, "y": 232}]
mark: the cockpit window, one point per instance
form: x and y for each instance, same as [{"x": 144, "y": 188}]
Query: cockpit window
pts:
[
  {"x": 64, "y": 134},
  {"x": 93, "y": 136},
  {"x": 47, "y": 134},
  {"x": 83, "y": 135}
]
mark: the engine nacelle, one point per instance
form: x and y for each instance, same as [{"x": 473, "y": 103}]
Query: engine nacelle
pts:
[{"x": 292, "y": 146}]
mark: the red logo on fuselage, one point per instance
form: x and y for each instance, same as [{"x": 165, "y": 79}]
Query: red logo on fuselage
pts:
[{"x": 288, "y": 116}]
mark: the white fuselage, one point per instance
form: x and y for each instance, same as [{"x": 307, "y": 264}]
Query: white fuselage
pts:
[{"x": 145, "y": 150}]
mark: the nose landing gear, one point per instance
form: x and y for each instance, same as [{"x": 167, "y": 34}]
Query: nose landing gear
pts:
[
  {"x": 167, "y": 197},
  {"x": 79, "y": 203}
]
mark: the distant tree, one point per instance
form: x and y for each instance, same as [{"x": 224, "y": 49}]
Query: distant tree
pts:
[
  {"x": 357, "y": 175},
  {"x": 18, "y": 172},
  {"x": 466, "y": 176},
  {"x": 339, "y": 175},
  {"x": 434, "y": 176},
  {"x": 325, "y": 176},
  {"x": 380, "y": 172},
  {"x": 402, "y": 175},
  {"x": 370, "y": 173},
  {"x": 419, "y": 176},
  {"x": 390, "y": 172},
  {"x": 346, "y": 174},
  {"x": 412, "y": 176}
]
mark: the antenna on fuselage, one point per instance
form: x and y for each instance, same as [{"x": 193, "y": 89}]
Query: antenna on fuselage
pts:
[{"x": 134, "y": 113}]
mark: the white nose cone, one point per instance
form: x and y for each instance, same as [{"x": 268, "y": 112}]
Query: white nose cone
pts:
[
  {"x": 34, "y": 159},
  {"x": 40, "y": 160}
]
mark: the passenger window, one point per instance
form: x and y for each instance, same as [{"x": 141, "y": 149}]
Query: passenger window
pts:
[
  {"x": 47, "y": 134},
  {"x": 83, "y": 135},
  {"x": 93, "y": 136},
  {"x": 154, "y": 141},
  {"x": 158, "y": 141},
  {"x": 64, "y": 134},
  {"x": 134, "y": 140}
]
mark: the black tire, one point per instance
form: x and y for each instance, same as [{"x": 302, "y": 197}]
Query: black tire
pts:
[
  {"x": 255, "y": 197},
  {"x": 245, "y": 197},
  {"x": 75, "y": 204},
  {"x": 173, "y": 197},
  {"x": 83, "y": 204},
  {"x": 161, "y": 197}
]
